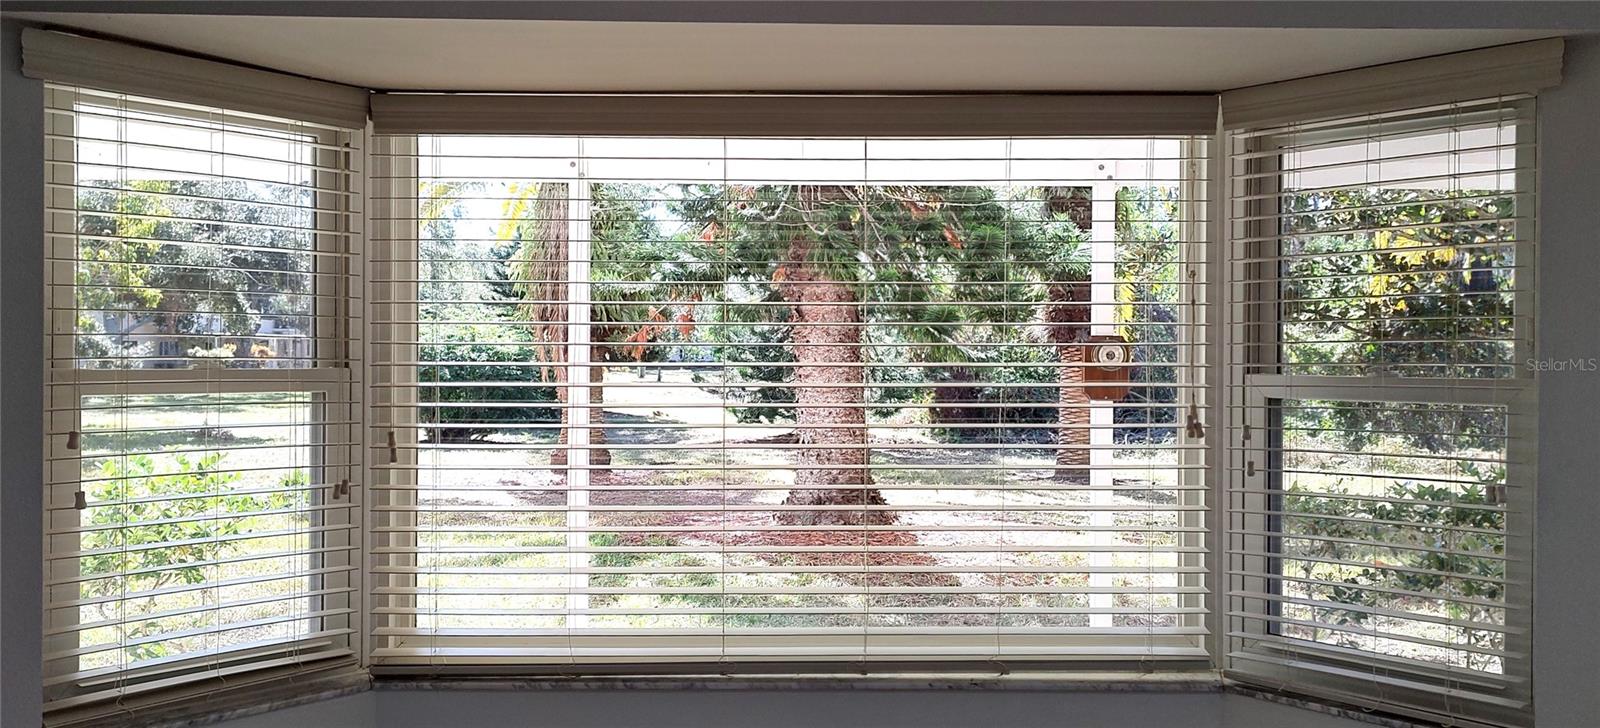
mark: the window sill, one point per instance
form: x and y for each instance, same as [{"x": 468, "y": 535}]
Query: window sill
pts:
[
  {"x": 1115, "y": 682},
  {"x": 1326, "y": 707},
  {"x": 229, "y": 704}
]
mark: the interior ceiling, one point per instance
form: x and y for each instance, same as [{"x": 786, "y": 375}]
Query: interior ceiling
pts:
[{"x": 598, "y": 56}]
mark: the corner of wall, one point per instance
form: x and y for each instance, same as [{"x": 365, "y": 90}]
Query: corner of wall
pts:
[
  {"x": 1566, "y": 620},
  {"x": 21, "y": 384}
]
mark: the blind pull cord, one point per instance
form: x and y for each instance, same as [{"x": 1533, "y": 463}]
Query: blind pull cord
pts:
[
  {"x": 1193, "y": 427},
  {"x": 80, "y": 499}
]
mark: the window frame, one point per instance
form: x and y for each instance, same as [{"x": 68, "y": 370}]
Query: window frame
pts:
[
  {"x": 1257, "y": 382},
  {"x": 396, "y": 268},
  {"x": 330, "y": 377}
]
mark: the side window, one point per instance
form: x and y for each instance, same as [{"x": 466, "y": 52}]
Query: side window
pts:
[
  {"x": 1385, "y": 449},
  {"x": 201, "y": 395}
]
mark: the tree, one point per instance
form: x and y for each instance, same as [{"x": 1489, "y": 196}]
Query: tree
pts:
[
  {"x": 205, "y": 260},
  {"x": 635, "y": 279},
  {"x": 823, "y": 250},
  {"x": 1408, "y": 283},
  {"x": 474, "y": 378},
  {"x": 1148, "y": 298},
  {"x": 1055, "y": 257},
  {"x": 1430, "y": 294},
  {"x": 146, "y": 502}
]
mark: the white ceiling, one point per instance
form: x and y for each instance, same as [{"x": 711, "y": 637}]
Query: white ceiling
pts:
[{"x": 538, "y": 55}]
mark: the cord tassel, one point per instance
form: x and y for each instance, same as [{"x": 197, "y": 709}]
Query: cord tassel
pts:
[
  {"x": 74, "y": 440},
  {"x": 341, "y": 490},
  {"x": 1194, "y": 428},
  {"x": 394, "y": 449},
  {"x": 80, "y": 500}
]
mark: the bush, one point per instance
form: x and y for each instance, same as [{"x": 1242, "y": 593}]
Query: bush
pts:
[
  {"x": 497, "y": 385},
  {"x": 190, "y": 523}
]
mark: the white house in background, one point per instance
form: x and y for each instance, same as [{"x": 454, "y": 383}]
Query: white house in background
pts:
[{"x": 141, "y": 339}]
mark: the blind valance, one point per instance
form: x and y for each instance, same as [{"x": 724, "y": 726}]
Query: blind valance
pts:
[
  {"x": 796, "y": 115},
  {"x": 1519, "y": 68},
  {"x": 107, "y": 65}
]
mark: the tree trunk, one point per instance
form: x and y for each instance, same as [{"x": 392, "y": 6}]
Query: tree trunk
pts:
[
  {"x": 1067, "y": 318},
  {"x": 954, "y": 400},
  {"x": 1072, "y": 439},
  {"x": 547, "y": 269},
  {"x": 598, "y": 456},
  {"x": 827, "y": 351}
]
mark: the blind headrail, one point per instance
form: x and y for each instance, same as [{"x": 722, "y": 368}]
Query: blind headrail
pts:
[
  {"x": 102, "y": 64},
  {"x": 802, "y": 115},
  {"x": 1518, "y": 68}
]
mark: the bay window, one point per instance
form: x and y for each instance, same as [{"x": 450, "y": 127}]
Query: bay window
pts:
[{"x": 791, "y": 384}]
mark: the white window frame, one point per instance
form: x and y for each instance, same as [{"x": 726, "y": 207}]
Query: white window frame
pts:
[
  {"x": 1255, "y": 381},
  {"x": 331, "y": 378},
  {"x": 395, "y": 274}
]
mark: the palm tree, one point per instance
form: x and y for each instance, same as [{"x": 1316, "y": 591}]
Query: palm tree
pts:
[
  {"x": 634, "y": 282},
  {"x": 1054, "y": 255}
]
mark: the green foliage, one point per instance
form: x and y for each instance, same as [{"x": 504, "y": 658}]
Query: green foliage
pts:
[
  {"x": 912, "y": 256},
  {"x": 1430, "y": 533},
  {"x": 185, "y": 502},
  {"x": 646, "y": 287},
  {"x": 150, "y": 253},
  {"x": 477, "y": 353},
  {"x": 1429, "y": 294},
  {"x": 494, "y": 384},
  {"x": 1148, "y": 304},
  {"x": 763, "y": 347},
  {"x": 493, "y": 322}
]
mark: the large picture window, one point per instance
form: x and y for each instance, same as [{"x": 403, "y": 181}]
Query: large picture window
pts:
[
  {"x": 1382, "y": 456},
  {"x": 202, "y": 404},
  {"x": 762, "y": 401}
]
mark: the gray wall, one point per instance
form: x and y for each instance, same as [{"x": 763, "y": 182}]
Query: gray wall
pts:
[
  {"x": 1566, "y": 629},
  {"x": 1567, "y": 600},
  {"x": 21, "y": 383}
]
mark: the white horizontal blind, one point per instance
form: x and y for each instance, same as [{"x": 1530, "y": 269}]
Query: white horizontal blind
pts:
[
  {"x": 203, "y": 399},
  {"x": 1380, "y": 398},
  {"x": 829, "y": 408}
]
